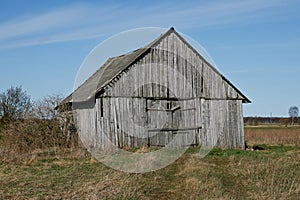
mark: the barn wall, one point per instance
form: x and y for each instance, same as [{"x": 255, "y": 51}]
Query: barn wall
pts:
[
  {"x": 222, "y": 124},
  {"x": 85, "y": 121},
  {"x": 187, "y": 75},
  {"x": 124, "y": 122}
]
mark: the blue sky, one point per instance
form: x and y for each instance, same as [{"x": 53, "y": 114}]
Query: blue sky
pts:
[{"x": 255, "y": 44}]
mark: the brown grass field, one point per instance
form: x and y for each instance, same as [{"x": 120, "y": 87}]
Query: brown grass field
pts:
[
  {"x": 53, "y": 173},
  {"x": 273, "y": 135}
]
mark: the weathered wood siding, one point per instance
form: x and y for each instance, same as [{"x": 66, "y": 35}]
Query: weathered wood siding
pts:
[
  {"x": 135, "y": 103},
  {"x": 222, "y": 124},
  {"x": 171, "y": 64},
  {"x": 124, "y": 122}
]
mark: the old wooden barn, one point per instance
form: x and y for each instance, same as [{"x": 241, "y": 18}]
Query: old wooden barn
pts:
[{"x": 165, "y": 93}]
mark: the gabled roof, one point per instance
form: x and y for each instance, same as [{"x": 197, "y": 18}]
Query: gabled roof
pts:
[{"x": 116, "y": 65}]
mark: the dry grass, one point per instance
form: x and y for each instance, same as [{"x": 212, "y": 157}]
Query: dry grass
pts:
[
  {"x": 273, "y": 135},
  {"x": 273, "y": 179},
  {"x": 63, "y": 173},
  {"x": 223, "y": 174}
]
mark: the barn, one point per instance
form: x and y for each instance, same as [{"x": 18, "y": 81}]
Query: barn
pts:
[{"x": 163, "y": 94}]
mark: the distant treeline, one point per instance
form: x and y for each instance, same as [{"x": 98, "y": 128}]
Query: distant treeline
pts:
[{"x": 270, "y": 120}]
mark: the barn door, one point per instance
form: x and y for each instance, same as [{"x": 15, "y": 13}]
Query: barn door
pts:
[{"x": 168, "y": 119}]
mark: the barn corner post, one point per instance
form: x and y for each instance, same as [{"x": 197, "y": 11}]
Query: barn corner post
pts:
[{"x": 242, "y": 129}]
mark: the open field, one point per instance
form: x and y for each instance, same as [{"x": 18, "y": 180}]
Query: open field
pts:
[
  {"x": 273, "y": 173},
  {"x": 273, "y": 135}
]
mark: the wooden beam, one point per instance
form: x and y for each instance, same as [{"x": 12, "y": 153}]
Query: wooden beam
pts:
[{"x": 174, "y": 129}]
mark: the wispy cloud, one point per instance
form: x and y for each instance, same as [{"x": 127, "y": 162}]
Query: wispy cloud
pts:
[
  {"x": 295, "y": 43},
  {"x": 24, "y": 26},
  {"x": 83, "y": 21}
]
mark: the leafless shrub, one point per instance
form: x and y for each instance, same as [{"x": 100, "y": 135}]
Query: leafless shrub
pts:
[
  {"x": 43, "y": 127},
  {"x": 45, "y": 108}
]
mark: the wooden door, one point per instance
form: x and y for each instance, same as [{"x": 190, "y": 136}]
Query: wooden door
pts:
[{"x": 172, "y": 119}]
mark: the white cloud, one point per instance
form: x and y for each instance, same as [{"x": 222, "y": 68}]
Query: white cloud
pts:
[
  {"x": 77, "y": 22},
  {"x": 41, "y": 23}
]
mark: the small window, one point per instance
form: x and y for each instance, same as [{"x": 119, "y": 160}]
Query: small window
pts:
[
  {"x": 101, "y": 107},
  {"x": 169, "y": 105}
]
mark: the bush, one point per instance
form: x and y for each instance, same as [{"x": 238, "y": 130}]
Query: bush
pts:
[
  {"x": 27, "y": 135},
  {"x": 40, "y": 128},
  {"x": 15, "y": 103}
]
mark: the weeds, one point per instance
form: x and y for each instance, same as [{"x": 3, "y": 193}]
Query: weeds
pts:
[
  {"x": 223, "y": 174},
  {"x": 275, "y": 135},
  {"x": 70, "y": 173}
]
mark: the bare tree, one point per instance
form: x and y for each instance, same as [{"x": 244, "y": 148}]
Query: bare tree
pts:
[
  {"x": 55, "y": 114},
  {"x": 293, "y": 112},
  {"x": 45, "y": 108},
  {"x": 15, "y": 103}
]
